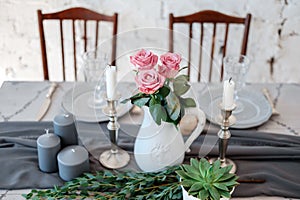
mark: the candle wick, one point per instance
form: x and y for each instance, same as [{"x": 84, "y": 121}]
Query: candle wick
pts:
[
  {"x": 230, "y": 79},
  {"x": 47, "y": 131}
]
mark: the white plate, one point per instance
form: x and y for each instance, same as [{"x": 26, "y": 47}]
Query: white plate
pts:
[
  {"x": 256, "y": 110},
  {"x": 75, "y": 101}
]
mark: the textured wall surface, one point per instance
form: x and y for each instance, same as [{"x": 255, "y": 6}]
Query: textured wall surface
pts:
[{"x": 273, "y": 43}]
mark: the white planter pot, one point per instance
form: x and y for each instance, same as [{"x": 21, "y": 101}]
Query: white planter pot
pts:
[{"x": 186, "y": 196}]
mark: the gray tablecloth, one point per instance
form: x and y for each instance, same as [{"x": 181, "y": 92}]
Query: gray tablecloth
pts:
[{"x": 271, "y": 157}]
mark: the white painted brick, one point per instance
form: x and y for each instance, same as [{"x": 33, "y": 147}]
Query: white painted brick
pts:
[
  {"x": 20, "y": 48},
  {"x": 268, "y": 10},
  {"x": 289, "y": 61},
  {"x": 292, "y": 10}
]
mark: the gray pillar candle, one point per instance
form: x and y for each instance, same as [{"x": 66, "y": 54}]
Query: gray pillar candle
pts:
[
  {"x": 64, "y": 127},
  {"x": 48, "y": 146},
  {"x": 72, "y": 162}
]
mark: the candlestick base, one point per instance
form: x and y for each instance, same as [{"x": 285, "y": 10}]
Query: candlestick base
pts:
[
  {"x": 225, "y": 163},
  {"x": 114, "y": 159}
]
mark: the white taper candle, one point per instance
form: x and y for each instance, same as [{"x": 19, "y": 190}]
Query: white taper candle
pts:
[
  {"x": 111, "y": 82},
  {"x": 228, "y": 94}
]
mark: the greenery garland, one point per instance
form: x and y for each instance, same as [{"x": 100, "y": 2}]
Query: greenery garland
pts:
[{"x": 116, "y": 185}]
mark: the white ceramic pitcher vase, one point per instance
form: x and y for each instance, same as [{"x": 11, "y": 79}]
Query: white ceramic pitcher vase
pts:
[{"x": 159, "y": 146}]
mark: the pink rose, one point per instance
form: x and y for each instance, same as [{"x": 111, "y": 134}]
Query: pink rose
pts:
[
  {"x": 166, "y": 72},
  {"x": 144, "y": 59},
  {"x": 170, "y": 64},
  {"x": 149, "y": 81}
]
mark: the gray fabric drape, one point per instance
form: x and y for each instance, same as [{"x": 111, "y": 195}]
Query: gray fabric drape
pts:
[{"x": 271, "y": 157}]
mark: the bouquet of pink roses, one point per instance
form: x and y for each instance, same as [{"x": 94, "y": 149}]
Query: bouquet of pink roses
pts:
[{"x": 159, "y": 87}]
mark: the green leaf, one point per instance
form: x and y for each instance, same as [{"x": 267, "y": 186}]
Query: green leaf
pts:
[
  {"x": 203, "y": 166},
  {"x": 190, "y": 169},
  {"x": 220, "y": 186},
  {"x": 188, "y": 102},
  {"x": 214, "y": 193},
  {"x": 230, "y": 183},
  {"x": 173, "y": 106},
  {"x": 182, "y": 77},
  {"x": 187, "y": 176},
  {"x": 195, "y": 163},
  {"x": 164, "y": 91},
  {"x": 141, "y": 101},
  {"x": 196, "y": 187},
  {"x": 125, "y": 101},
  {"x": 225, "y": 177},
  {"x": 219, "y": 173},
  {"x": 203, "y": 194},
  {"x": 138, "y": 95},
  {"x": 227, "y": 169},
  {"x": 158, "y": 113},
  {"x": 154, "y": 100},
  {"x": 225, "y": 194},
  {"x": 187, "y": 183},
  {"x": 108, "y": 174},
  {"x": 216, "y": 165},
  {"x": 181, "y": 85}
]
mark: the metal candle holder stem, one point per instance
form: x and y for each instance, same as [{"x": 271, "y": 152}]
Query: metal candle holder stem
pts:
[
  {"x": 226, "y": 120},
  {"x": 115, "y": 157},
  {"x": 113, "y": 125}
]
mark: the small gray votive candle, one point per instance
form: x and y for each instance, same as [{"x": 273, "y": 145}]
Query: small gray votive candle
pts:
[
  {"x": 64, "y": 127},
  {"x": 48, "y": 147},
  {"x": 72, "y": 162}
]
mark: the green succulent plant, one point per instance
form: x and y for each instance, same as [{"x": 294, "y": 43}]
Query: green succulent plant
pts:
[{"x": 207, "y": 181}]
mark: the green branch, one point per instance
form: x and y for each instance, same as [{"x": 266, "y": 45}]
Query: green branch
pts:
[{"x": 108, "y": 185}]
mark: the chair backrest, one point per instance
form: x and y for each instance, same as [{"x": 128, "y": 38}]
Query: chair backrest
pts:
[
  {"x": 209, "y": 17},
  {"x": 76, "y": 16}
]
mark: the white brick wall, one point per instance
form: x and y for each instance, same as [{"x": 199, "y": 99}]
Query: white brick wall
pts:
[{"x": 20, "y": 49}]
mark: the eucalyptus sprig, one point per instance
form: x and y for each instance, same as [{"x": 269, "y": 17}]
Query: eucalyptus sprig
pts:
[{"x": 116, "y": 185}]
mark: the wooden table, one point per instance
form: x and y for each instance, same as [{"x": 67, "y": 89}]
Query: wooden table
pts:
[{"x": 20, "y": 101}]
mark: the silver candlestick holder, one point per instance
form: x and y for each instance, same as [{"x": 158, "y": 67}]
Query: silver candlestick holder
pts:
[
  {"x": 225, "y": 120},
  {"x": 114, "y": 158}
]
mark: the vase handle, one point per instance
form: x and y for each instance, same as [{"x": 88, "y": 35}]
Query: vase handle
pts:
[{"x": 199, "y": 128}]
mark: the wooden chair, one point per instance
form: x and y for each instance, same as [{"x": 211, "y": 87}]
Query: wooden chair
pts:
[
  {"x": 203, "y": 18},
  {"x": 75, "y": 16}
]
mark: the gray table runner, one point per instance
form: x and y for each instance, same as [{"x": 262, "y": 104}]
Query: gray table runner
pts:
[{"x": 271, "y": 157}]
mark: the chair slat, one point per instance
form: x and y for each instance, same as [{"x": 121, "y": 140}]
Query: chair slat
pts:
[
  {"x": 212, "y": 50},
  {"x": 190, "y": 47},
  {"x": 84, "y": 35},
  {"x": 224, "y": 50},
  {"x": 246, "y": 34},
  {"x": 62, "y": 48},
  {"x": 114, "y": 49},
  {"x": 96, "y": 36},
  {"x": 200, "y": 52},
  {"x": 74, "y": 49},
  {"x": 75, "y": 14},
  {"x": 43, "y": 45},
  {"x": 171, "y": 37},
  {"x": 215, "y": 18}
]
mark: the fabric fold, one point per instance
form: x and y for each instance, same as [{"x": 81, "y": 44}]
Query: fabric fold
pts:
[{"x": 273, "y": 158}]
